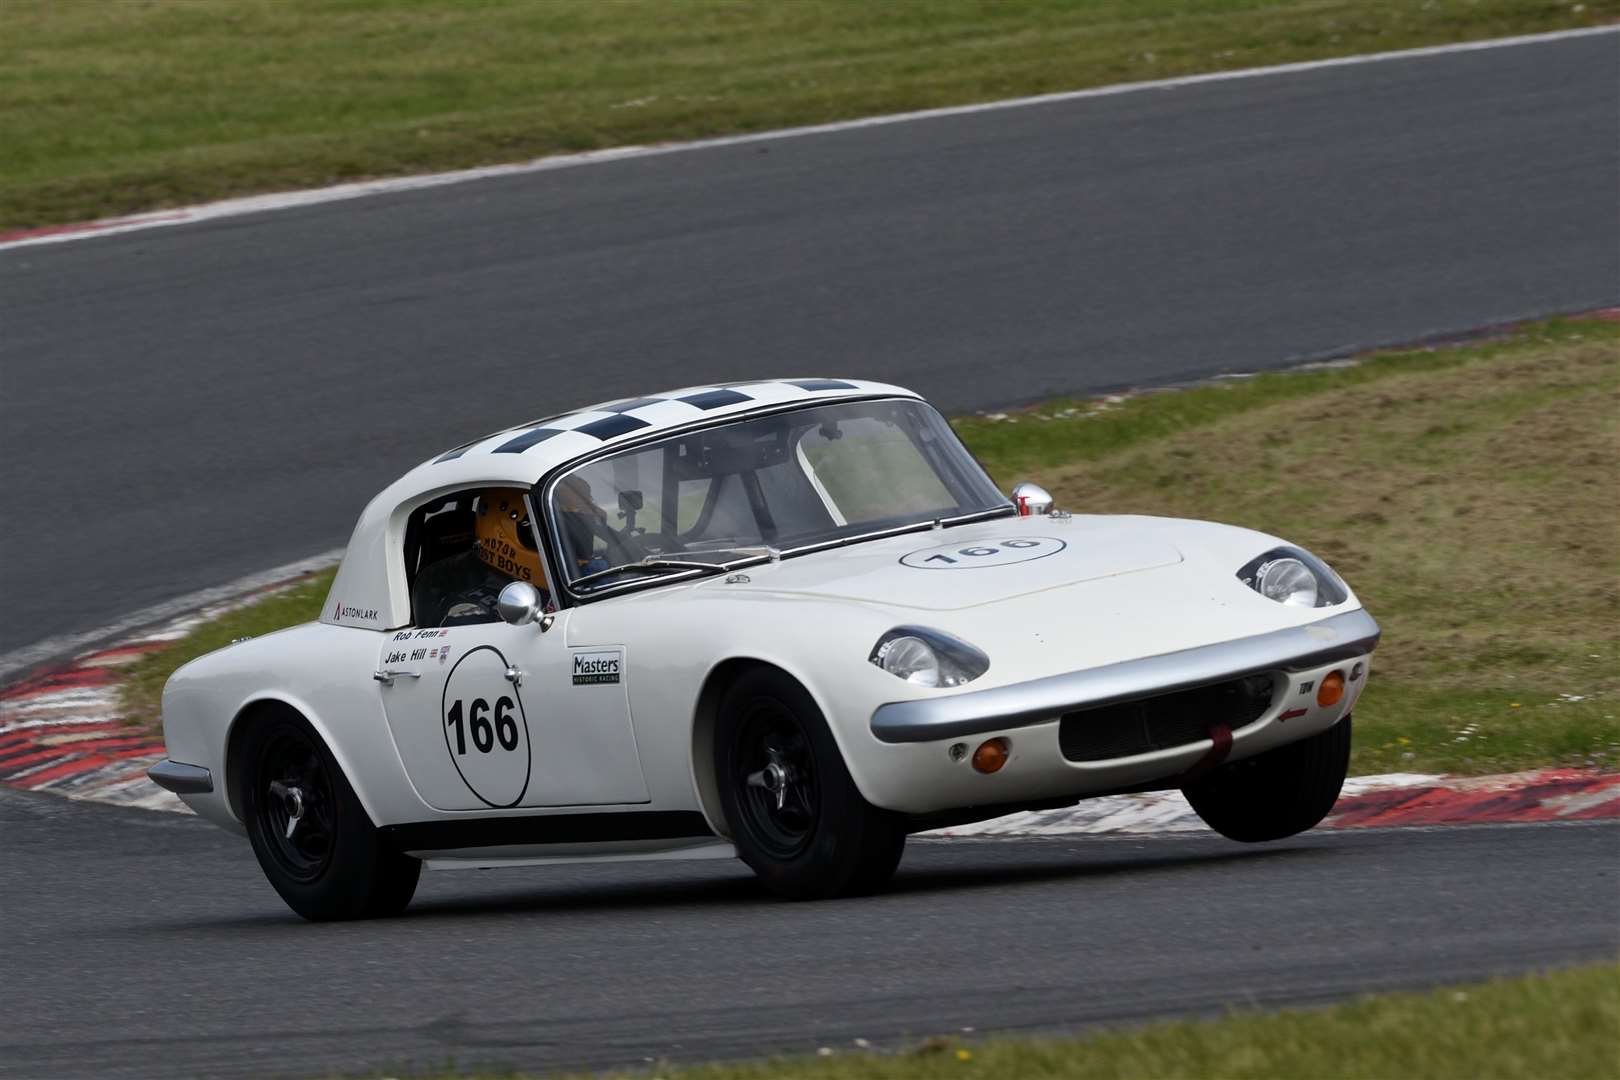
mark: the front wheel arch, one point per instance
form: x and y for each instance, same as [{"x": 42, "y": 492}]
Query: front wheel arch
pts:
[{"x": 704, "y": 717}]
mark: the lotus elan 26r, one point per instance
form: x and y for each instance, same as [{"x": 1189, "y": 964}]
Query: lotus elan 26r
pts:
[{"x": 788, "y": 621}]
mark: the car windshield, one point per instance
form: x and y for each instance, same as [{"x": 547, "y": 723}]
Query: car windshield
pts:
[{"x": 777, "y": 483}]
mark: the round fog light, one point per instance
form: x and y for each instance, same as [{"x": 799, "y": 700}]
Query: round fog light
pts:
[
  {"x": 991, "y": 755},
  {"x": 1331, "y": 690}
]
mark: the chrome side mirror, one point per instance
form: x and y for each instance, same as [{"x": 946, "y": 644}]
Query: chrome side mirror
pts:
[
  {"x": 1031, "y": 499},
  {"x": 519, "y": 603}
]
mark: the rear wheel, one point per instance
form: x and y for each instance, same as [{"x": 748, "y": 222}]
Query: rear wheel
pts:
[
  {"x": 1278, "y": 793},
  {"x": 313, "y": 839},
  {"x": 795, "y": 814}
]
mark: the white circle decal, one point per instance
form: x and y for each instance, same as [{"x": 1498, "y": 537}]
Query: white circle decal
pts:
[
  {"x": 485, "y": 729},
  {"x": 1013, "y": 549}
]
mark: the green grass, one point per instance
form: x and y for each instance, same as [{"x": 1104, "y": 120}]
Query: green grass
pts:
[
  {"x": 1467, "y": 493},
  {"x": 112, "y": 107},
  {"x": 1559, "y": 1026}
]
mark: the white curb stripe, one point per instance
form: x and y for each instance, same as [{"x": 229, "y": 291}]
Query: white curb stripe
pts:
[{"x": 255, "y": 204}]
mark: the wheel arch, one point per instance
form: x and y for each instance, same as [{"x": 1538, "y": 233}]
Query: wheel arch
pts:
[
  {"x": 267, "y": 705},
  {"x": 706, "y": 714}
]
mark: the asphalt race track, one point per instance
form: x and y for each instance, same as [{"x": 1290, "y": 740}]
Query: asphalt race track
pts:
[
  {"x": 186, "y": 405},
  {"x": 140, "y": 944}
]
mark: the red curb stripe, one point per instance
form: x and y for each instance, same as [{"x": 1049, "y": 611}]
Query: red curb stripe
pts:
[
  {"x": 120, "y": 651},
  {"x": 88, "y": 226},
  {"x": 15, "y": 757},
  {"x": 112, "y": 742},
  {"x": 36, "y": 735},
  {"x": 67, "y": 768},
  {"x": 75, "y": 768},
  {"x": 151, "y": 750},
  {"x": 13, "y": 767},
  {"x": 80, "y": 758},
  {"x": 1534, "y": 801},
  {"x": 56, "y": 681}
]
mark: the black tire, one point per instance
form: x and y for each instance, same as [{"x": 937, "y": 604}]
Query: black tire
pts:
[
  {"x": 333, "y": 864},
  {"x": 825, "y": 840},
  {"x": 1278, "y": 793}
]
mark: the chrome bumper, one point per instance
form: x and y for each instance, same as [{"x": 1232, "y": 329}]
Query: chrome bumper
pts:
[
  {"x": 180, "y": 778},
  {"x": 1298, "y": 648}
]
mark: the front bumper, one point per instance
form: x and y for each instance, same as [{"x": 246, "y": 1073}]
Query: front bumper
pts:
[{"x": 1294, "y": 650}]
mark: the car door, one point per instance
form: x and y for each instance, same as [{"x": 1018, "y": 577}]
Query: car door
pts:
[{"x": 493, "y": 715}]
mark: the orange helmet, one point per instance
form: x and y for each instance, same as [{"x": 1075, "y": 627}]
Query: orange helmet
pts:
[{"x": 505, "y": 537}]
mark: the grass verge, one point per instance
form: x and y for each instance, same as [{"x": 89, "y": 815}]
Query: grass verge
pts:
[
  {"x": 1467, "y": 493},
  {"x": 118, "y": 107},
  {"x": 1565, "y": 1024}
]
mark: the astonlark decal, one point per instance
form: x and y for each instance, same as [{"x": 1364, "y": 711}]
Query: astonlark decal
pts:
[{"x": 349, "y": 611}]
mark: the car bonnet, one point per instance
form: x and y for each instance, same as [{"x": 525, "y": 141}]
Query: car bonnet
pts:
[{"x": 968, "y": 565}]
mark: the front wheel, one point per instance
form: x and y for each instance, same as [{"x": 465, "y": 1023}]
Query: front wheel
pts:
[
  {"x": 795, "y": 814},
  {"x": 313, "y": 839},
  {"x": 1278, "y": 793}
]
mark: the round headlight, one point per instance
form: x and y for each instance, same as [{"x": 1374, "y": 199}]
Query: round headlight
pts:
[
  {"x": 911, "y": 658},
  {"x": 1287, "y": 581}
]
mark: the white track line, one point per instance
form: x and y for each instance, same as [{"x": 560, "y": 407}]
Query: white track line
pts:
[
  {"x": 255, "y": 204},
  {"x": 69, "y": 644}
]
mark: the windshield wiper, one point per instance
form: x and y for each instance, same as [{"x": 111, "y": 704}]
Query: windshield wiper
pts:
[
  {"x": 977, "y": 515},
  {"x": 652, "y": 562}
]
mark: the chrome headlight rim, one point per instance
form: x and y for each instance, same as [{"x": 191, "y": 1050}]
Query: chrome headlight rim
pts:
[
  {"x": 1273, "y": 567},
  {"x": 900, "y": 652}
]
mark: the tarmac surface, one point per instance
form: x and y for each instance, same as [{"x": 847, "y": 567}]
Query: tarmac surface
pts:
[
  {"x": 140, "y": 944},
  {"x": 182, "y": 406}
]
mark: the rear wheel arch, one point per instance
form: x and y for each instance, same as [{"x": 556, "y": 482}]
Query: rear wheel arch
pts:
[
  {"x": 246, "y": 717},
  {"x": 317, "y": 844},
  {"x": 264, "y": 708}
]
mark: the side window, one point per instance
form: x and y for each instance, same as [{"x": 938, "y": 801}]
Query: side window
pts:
[{"x": 462, "y": 549}]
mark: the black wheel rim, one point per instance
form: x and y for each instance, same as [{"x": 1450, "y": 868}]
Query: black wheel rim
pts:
[
  {"x": 775, "y": 778},
  {"x": 294, "y": 805}
]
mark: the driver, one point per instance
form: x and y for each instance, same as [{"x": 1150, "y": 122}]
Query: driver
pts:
[
  {"x": 581, "y": 522},
  {"x": 462, "y": 589}
]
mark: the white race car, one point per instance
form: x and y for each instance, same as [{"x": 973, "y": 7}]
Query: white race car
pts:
[{"x": 788, "y": 621}]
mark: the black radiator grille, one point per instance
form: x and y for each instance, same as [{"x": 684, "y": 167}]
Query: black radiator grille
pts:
[{"x": 1163, "y": 721}]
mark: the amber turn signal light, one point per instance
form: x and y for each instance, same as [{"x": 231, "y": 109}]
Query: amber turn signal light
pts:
[
  {"x": 1331, "y": 690},
  {"x": 991, "y": 755}
]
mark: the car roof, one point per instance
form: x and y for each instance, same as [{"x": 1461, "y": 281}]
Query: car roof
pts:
[
  {"x": 527, "y": 451},
  {"x": 371, "y": 584}
]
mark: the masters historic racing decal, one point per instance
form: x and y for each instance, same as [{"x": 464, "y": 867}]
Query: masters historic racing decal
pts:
[
  {"x": 1014, "y": 549},
  {"x": 598, "y": 667}
]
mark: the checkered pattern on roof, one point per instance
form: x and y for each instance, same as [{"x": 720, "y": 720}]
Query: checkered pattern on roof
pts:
[{"x": 599, "y": 423}]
